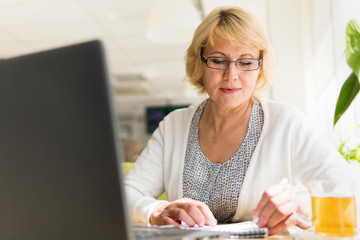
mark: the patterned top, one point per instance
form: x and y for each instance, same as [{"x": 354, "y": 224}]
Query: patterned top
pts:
[{"x": 218, "y": 185}]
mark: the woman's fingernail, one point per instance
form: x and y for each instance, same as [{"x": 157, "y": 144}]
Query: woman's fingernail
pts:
[{"x": 261, "y": 223}]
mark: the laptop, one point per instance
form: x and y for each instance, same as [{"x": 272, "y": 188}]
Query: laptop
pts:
[{"x": 60, "y": 154}]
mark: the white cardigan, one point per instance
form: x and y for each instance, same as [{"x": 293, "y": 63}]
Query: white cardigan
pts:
[{"x": 288, "y": 147}]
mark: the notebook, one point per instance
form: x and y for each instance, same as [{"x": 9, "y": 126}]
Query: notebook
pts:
[{"x": 60, "y": 154}]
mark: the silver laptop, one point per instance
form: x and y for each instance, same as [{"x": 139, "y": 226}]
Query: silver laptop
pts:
[{"x": 60, "y": 156}]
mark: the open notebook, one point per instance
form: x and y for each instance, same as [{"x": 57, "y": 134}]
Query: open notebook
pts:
[
  {"x": 246, "y": 229},
  {"x": 60, "y": 155}
]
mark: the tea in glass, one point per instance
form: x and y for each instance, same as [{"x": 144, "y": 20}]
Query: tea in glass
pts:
[{"x": 334, "y": 216}]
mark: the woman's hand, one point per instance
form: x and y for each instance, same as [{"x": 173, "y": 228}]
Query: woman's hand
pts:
[
  {"x": 184, "y": 210},
  {"x": 276, "y": 207}
]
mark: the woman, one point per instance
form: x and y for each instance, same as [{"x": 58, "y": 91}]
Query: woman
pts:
[{"x": 223, "y": 161}]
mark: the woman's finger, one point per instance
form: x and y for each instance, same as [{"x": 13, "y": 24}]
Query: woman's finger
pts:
[
  {"x": 275, "y": 196},
  {"x": 210, "y": 220},
  {"x": 181, "y": 215},
  {"x": 267, "y": 195},
  {"x": 191, "y": 214},
  {"x": 189, "y": 211},
  {"x": 283, "y": 225},
  {"x": 281, "y": 214}
]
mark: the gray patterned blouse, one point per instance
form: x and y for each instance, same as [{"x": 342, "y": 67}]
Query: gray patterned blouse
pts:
[{"x": 219, "y": 185}]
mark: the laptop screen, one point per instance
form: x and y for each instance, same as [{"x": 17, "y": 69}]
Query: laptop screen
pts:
[{"x": 59, "y": 149}]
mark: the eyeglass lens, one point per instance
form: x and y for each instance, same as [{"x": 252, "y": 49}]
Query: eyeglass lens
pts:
[{"x": 242, "y": 63}]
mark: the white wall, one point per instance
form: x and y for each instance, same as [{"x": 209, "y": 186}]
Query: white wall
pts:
[{"x": 288, "y": 26}]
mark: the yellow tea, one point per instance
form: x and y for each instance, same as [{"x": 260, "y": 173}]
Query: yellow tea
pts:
[{"x": 334, "y": 216}]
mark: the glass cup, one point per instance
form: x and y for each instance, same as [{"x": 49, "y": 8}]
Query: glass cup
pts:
[{"x": 333, "y": 208}]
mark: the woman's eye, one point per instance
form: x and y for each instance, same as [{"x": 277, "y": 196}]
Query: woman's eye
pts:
[
  {"x": 245, "y": 62},
  {"x": 219, "y": 61}
]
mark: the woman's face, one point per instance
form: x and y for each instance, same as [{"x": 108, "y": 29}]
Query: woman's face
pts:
[{"x": 231, "y": 87}]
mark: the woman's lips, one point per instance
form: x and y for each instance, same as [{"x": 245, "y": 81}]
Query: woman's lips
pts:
[{"x": 229, "y": 90}]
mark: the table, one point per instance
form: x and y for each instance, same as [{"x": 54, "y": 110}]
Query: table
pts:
[{"x": 295, "y": 234}]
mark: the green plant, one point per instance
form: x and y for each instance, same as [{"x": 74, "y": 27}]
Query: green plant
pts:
[
  {"x": 351, "y": 86},
  {"x": 350, "y": 149}
]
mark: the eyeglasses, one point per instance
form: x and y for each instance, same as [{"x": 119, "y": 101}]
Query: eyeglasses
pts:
[{"x": 243, "y": 64}]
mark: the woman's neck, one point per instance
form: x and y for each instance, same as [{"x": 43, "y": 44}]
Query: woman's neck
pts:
[{"x": 221, "y": 119}]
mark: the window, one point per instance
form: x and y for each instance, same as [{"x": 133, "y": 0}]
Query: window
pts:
[{"x": 329, "y": 21}]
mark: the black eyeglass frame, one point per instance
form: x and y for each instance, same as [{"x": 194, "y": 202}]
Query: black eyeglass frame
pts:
[{"x": 260, "y": 61}]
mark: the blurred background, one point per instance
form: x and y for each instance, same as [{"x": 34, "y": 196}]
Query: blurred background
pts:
[{"x": 146, "y": 40}]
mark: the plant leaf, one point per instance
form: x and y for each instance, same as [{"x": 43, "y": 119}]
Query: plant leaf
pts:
[
  {"x": 352, "y": 50},
  {"x": 348, "y": 92}
]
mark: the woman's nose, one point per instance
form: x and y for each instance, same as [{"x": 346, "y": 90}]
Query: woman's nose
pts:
[{"x": 232, "y": 72}]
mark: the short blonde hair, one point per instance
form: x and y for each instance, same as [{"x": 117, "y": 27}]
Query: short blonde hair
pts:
[{"x": 237, "y": 26}]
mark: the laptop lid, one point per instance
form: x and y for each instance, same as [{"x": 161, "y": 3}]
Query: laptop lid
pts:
[{"x": 60, "y": 173}]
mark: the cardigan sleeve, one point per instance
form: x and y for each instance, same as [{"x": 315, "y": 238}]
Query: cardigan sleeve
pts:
[
  {"x": 144, "y": 183},
  {"x": 314, "y": 157},
  {"x": 159, "y": 167}
]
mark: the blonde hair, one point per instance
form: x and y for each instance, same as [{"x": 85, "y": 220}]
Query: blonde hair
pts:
[{"x": 238, "y": 27}]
